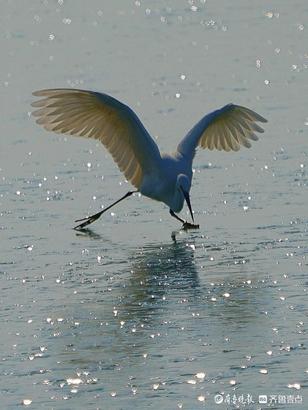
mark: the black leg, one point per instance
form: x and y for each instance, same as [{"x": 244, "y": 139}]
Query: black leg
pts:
[
  {"x": 186, "y": 225},
  {"x": 92, "y": 218},
  {"x": 176, "y": 217}
]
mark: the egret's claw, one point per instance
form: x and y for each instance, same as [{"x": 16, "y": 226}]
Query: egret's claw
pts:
[
  {"x": 87, "y": 221},
  {"x": 81, "y": 226},
  {"x": 187, "y": 225}
]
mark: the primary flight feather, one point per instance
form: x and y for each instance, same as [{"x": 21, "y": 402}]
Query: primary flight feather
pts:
[{"x": 162, "y": 177}]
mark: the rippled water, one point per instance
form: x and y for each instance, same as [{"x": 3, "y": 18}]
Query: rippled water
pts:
[{"x": 122, "y": 316}]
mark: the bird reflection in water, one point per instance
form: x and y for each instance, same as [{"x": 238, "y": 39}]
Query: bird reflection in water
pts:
[
  {"x": 88, "y": 233},
  {"x": 157, "y": 271}
]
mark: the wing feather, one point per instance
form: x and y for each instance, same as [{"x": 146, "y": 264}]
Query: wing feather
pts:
[
  {"x": 225, "y": 137},
  {"x": 217, "y": 142},
  {"x": 227, "y": 128},
  {"x": 95, "y": 115}
]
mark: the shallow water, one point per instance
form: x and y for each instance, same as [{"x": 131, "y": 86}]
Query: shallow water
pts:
[{"x": 122, "y": 316}]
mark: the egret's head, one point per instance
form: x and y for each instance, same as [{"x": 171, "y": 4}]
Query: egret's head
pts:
[{"x": 183, "y": 185}]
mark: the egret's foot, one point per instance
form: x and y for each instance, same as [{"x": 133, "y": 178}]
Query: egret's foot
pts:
[
  {"x": 87, "y": 221},
  {"x": 81, "y": 226},
  {"x": 187, "y": 225}
]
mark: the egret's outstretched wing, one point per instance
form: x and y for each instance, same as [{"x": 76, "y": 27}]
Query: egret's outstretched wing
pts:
[
  {"x": 95, "y": 115},
  {"x": 225, "y": 129}
]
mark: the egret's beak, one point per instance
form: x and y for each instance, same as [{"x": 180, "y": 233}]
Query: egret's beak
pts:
[{"x": 187, "y": 199}]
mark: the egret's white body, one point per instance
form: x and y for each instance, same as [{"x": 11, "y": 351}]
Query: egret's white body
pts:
[
  {"x": 163, "y": 177},
  {"x": 161, "y": 184}
]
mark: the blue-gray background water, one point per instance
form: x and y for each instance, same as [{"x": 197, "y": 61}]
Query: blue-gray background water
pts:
[{"x": 124, "y": 317}]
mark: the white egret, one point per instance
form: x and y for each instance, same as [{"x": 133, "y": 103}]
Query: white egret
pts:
[{"x": 163, "y": 177}]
